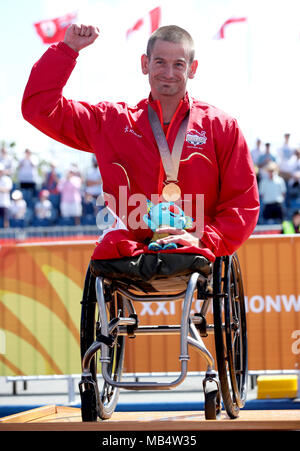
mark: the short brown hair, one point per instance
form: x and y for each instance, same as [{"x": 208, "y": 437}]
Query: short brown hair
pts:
[{"x": 172, "y": 33}]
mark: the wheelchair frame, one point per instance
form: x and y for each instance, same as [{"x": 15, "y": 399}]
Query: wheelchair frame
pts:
[{"x": 224, "y": 288}]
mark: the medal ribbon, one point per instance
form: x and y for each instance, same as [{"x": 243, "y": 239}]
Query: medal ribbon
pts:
[{"x": 169, "y": 160}]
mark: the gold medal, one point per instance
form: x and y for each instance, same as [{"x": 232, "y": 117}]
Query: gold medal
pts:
[{"x": 171, "y": 192}]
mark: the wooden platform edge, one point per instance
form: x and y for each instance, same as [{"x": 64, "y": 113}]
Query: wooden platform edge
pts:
[
  {"x": 32, "y": 414},
  {"x": 37, "y": 413},
  {"x": 63, "y": 418}
]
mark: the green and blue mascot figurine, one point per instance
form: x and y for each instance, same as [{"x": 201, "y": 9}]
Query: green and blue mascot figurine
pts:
[{"x": 166, "y": 214}]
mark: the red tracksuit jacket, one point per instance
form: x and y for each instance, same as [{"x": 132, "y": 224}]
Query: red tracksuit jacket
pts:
[{"x": 215, "y": 160}]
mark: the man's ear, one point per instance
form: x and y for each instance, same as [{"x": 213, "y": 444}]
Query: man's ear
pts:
[
  {"x": 193, "y": 69},
  {"x": 145, "y": 64}
]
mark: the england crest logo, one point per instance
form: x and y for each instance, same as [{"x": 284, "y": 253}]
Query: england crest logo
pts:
[{"x": 196, "y": 138}]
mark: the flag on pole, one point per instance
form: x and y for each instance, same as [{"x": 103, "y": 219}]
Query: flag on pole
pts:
[
  {"x": 53, "y": 30},
  {"x": 152, "y": 21},
  {"x": 232, "y": 20}
]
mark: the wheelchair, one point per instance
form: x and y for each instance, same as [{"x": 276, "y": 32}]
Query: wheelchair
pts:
[{"x": 108, "y": 315}]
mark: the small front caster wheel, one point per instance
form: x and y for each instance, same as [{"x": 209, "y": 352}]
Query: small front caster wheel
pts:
[{"x": 212, "y": 405}]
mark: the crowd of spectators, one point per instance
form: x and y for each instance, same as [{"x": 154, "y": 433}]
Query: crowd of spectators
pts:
[
  {"x": 278, "y": 176},
  {"x": 31, "y": 197}
]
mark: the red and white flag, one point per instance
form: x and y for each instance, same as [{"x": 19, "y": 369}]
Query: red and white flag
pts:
[
  {"x": 232, "y": 20},
  {"x": 152, "y": 21},
  {"x": 53, "y": 30}
]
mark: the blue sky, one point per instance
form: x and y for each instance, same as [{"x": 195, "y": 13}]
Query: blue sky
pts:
[{"x": 253, "y": 74}]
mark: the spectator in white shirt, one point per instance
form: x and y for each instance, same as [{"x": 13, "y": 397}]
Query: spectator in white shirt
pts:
[
  {"x": 27, "y": 173},
  {"x": 7, "y": 161},
  {"x": 18, "y": 209},
  {"x": 292, "y": 165},
  {"x": 5, "y": 189},
  {"x": 256, "y": 153},
  {"x": 285, "y": 152},
  {"x": 93, "y": 180},
  {"x": 272, "y": 189},
  {"x": 43, "y": 209}
]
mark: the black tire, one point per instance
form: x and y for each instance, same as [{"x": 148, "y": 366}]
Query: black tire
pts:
[
  {"x": 230, "y": 333},
  {"x": 106, "y": 396},
  {"x": 212, "y": 405},
  {"x": 89, "y": 408}
]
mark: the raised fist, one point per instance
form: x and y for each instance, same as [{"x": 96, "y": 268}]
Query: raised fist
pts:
[{"x": 79, "y": 36}]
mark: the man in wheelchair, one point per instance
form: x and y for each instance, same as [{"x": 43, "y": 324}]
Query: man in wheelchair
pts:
[{"x": 179, "y": 181}]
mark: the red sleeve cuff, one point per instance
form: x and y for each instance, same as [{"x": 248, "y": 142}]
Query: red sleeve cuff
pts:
[{"x": 66, "y": 49}]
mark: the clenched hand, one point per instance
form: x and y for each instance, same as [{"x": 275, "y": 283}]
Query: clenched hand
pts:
[{"x": 79, "y": 36}]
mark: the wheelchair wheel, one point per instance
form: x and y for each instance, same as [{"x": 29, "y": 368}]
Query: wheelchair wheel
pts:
[
  {"x": 100, "y": 399},
  {"x": 230, "y": 333}
]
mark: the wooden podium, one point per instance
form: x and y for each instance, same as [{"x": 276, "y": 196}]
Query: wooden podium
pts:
[{"x": 59, "y": 418}]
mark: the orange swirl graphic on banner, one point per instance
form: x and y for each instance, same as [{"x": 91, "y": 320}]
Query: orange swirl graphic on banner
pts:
[
  {"x": 14, "y": 325},
  {"x": 40, "y": 294}
]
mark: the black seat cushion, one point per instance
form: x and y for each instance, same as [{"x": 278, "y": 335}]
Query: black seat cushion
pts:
[{"x": 171, "y": 271}]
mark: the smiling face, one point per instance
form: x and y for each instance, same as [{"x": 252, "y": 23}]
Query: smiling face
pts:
[{"x": 168, "y": 68}]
